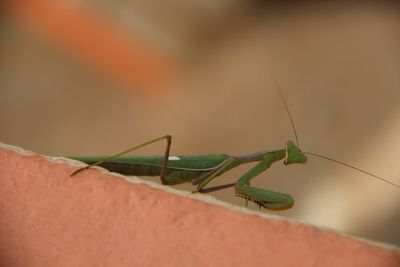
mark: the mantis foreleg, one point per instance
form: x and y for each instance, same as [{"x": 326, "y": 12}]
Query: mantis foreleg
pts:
[{"x": 265, "y": 198}]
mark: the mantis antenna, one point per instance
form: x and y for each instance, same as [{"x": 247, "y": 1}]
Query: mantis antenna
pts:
[
  {"x": 352, "y": 167},
  {"x": 286, "y": 107},
  {"x": 319, "y": 155}
]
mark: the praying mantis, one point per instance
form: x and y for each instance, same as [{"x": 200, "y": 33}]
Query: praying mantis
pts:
[{"x": 200, "y": 170}]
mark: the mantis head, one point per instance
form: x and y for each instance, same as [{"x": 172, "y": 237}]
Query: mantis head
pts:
[{"x": 294, "y": 154}]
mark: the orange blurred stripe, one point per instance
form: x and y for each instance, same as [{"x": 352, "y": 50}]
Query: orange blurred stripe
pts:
[{"x": 93, "y": 39}]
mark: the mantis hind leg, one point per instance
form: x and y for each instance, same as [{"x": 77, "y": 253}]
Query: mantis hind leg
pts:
[
  {"x": 166, "y": 156},
  {"x": 262, "y": 197}
]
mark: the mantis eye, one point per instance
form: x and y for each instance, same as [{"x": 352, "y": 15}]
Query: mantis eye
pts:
[{"x": 285, "y": 161}]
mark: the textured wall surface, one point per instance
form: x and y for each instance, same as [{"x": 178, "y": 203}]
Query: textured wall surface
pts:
[{"x": 48, "y": 218}]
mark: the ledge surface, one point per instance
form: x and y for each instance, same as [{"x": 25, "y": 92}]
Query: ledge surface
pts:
[{"x": 96, "y": 218}]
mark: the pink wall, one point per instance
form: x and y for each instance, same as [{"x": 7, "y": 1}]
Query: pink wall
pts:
[{"x": 48, "y": 218}]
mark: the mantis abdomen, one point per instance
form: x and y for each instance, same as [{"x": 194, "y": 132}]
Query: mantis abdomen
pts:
[{"x": 177, "y": 172}]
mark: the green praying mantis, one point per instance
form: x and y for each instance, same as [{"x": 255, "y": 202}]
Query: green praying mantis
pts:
[{"x": 200, "y": 170}]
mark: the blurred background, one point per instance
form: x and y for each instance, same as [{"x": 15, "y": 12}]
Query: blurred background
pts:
[{"x": 91, "y": 77}]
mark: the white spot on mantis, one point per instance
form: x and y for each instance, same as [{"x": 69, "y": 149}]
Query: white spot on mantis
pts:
[{"x": 174, "y": 158}]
